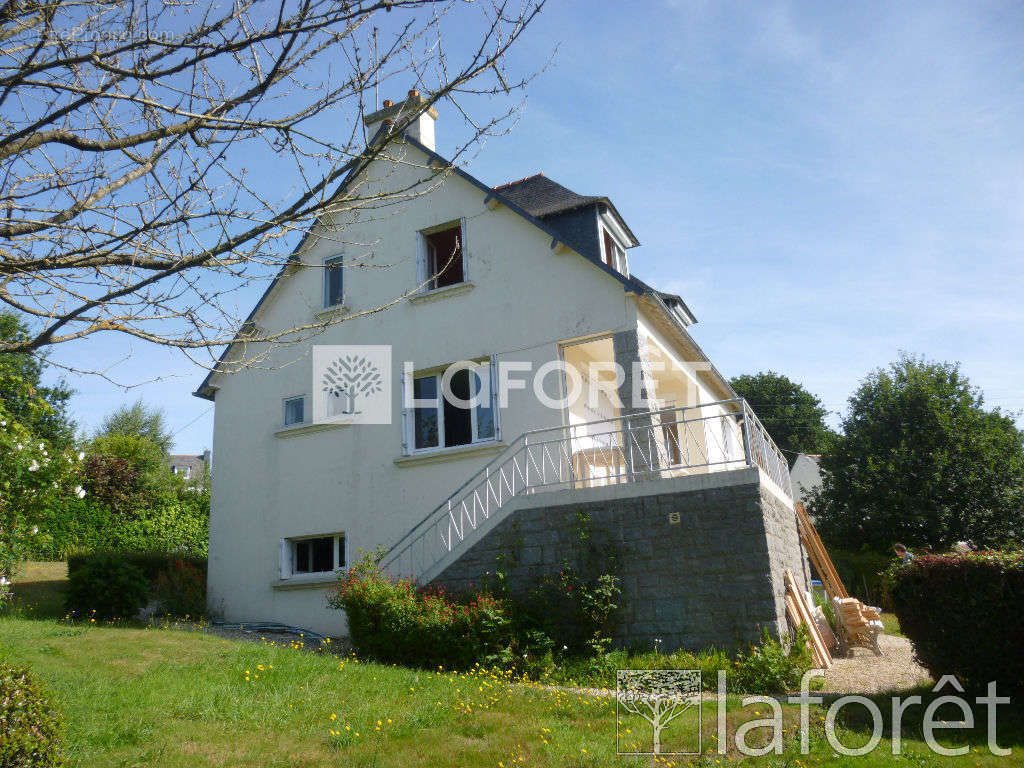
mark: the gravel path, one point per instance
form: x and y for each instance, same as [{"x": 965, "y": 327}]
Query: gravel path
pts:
[{"x": 894, "y": 670}]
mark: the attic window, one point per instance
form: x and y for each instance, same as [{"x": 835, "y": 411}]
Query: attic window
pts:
[{"x": 441, "y": 259}]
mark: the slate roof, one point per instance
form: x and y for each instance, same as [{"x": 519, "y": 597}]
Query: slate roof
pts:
[
  {"x": 188, "y": 460},
  {"x": 541, "y": 196}
]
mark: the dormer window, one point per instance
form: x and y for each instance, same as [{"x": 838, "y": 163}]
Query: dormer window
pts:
[{"x": 441, "y": 257}]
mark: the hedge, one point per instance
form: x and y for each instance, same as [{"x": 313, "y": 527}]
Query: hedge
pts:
[
  {"x": 176, "y": 525},
  {"x": 965, "y": 615},
  {"x": 120, "y": 584}
]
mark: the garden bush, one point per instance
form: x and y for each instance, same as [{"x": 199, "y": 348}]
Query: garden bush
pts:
[
  {"x": 176, "y": 525},
  {"x": 393, "y": 621},
  {"x": 30, "y": 727},
  {"x": 177, "y": 582},
  {"x": 771, "y": 667},
  {"x": 108, "y": 587},
  {"x": 863, "y": 574},
  {"x": 180, "y": 589},
  {"x": 965, "y": 615}
]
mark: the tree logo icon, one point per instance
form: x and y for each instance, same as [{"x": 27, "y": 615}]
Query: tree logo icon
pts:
[
  {"x": 348, "y": 379},
  {"x": 351, "y": 384},
  {"x": 650, "y": 709}
]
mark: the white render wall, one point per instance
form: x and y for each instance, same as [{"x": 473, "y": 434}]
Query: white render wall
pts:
[{"x": 525, "y": 300}]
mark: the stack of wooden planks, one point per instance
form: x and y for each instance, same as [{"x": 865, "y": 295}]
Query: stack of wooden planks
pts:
[
  {"x": 819, "y": 557},
  {"x": 802, "y": 614}
]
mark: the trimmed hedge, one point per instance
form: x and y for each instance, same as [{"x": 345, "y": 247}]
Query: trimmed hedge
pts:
[
  {"x": 30, "y": 727},
  {"x": 965, "y": 615},
  {"x": 120, "y": 584},
  {"x": 177, "y": 525}
]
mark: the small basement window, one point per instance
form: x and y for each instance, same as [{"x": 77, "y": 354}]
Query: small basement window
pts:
[
  {"x": 441, "y": 258},
  {"x": 315, "y": 554},
  {"x": 294, "y": 410}
]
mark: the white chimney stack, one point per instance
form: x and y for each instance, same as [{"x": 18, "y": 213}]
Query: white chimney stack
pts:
[{"x": 421, "y": 128}]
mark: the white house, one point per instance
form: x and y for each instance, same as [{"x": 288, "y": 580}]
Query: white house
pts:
[
  {"x": 529, "y": 274},
  {"x": 806, "y": 476}
]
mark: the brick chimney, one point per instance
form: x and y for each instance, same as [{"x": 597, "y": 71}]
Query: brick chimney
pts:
[{"x": 421, "y": 128}]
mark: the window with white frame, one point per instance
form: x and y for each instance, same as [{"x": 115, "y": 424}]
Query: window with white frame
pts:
[
  {"x": 311, "y": 555},
  {"x": 334, "y": 282},
  {"x": 462, "y": 413},
  {"x": 294, "y": 410},
  {"x": 441, "y": 256}
]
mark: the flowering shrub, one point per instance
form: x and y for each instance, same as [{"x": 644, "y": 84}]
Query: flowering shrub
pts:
[
  {"x": 32, "y": 478},
  {"x": 964, "y": 614},
  {"x": 29, "y": 725},
  {"x": 394, "y": 621}
]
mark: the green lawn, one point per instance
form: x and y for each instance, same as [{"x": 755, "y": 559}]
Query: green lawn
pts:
[{"x": 173, "y": 697}]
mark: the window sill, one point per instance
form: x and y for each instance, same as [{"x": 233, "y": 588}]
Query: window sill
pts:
[
  {"x": 424, "y": 297},
  {"x": 306, "y": 582},
  {"x": 330, "y": 312},
  {"x": 306, "y": 429},
  {"x": 455, "y": 452}
]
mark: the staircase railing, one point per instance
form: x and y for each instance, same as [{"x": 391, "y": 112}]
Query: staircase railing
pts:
[{"x": 632, "y": 448}]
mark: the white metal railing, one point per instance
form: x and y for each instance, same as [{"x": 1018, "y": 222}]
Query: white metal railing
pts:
[{"x": 641, "y": 446}]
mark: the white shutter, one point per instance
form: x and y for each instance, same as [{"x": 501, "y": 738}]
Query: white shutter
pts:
[
  {"x": 496, "y": 413},
  {"x": 465, "y": 251},
  {"x": 422, "y": 273},
  {"x": 406, "y": 419},
  {"x": 285, "y": 559}
]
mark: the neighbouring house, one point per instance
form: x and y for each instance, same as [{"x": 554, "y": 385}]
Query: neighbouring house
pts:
[
  {"x": 806, "y": 476},
  {"x": 189, "y": 465},
  {"x": 686, "y": 487}
]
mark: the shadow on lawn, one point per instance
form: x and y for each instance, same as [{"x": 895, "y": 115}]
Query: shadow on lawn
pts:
[
  {"x": 856, "y": 718},
  {"x": 39, "y": 590}
]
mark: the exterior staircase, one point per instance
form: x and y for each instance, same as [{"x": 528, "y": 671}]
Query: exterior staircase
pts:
[{"x": 638, "y": 447}]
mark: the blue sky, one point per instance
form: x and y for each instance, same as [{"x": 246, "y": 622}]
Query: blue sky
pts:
[{"x": 824, "y": 185}]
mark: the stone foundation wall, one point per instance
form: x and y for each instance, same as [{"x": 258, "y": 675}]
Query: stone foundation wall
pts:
[{"x": 701, "y": 563}]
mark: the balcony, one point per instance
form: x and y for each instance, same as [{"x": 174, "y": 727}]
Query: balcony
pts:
[{"x": 642, "y": 447}]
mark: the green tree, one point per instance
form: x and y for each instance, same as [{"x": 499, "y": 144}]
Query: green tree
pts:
[
  {"x": 20, "y": 385},
  {"x": 139, "y": 420},
  {"x": 794, "y": 417},
  {"x": 922, "y": 461}
]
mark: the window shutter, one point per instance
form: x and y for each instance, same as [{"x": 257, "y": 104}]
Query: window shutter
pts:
[
  {"x": 422, "y": 273},
  {"x": 285, "y": 558},
  {"x": 494, "y": 397},
  {"x": 406, "y": 418},
  {"x": 465, "y": 250}
]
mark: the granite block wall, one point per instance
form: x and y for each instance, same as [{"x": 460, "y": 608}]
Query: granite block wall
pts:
[{"x": 701, "y": 567}]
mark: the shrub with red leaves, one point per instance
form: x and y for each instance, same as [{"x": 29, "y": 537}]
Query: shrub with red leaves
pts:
[
  {"x": 395, "y": 622},
  {"x": 965, "y": 615}
]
